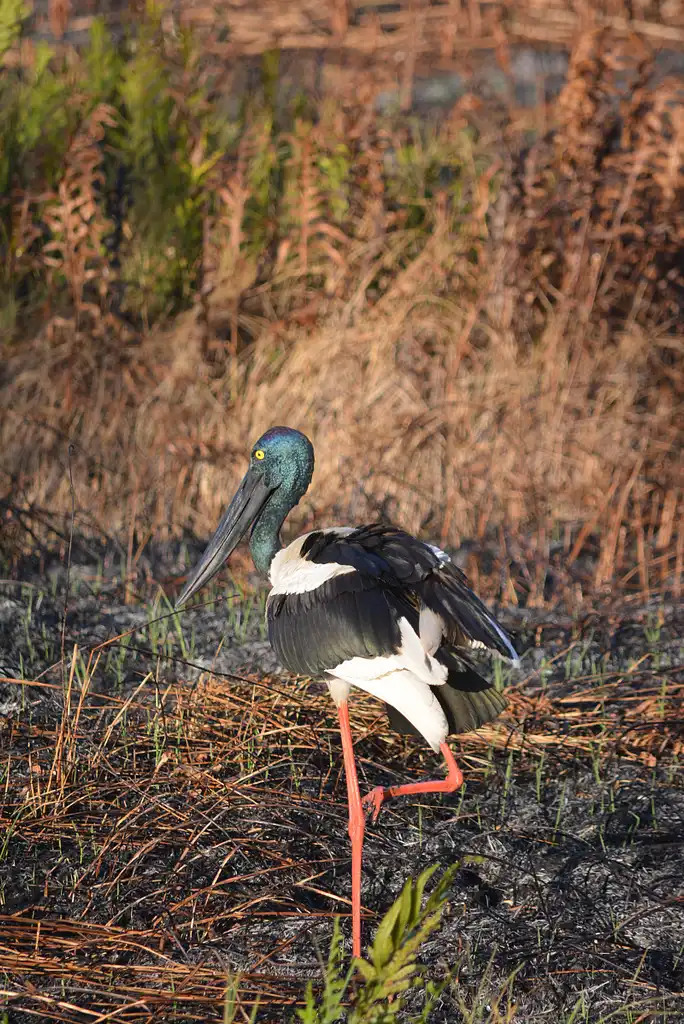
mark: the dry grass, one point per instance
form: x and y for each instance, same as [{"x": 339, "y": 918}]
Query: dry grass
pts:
[
  {"x": 401, "y": 33},
  {"x": 409, "y": 418},
  {"x": 482, "y": 338},
  {"x": 171, "y": 810},
  {"x": 491, "y": 353}
]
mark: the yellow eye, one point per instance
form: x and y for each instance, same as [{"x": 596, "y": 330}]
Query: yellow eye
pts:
[{"x": 258, "y": 454}]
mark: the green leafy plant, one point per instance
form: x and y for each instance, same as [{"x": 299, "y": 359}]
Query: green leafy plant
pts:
[
  {"x": 167, "y": 148},
  {"x": 174, "y": 197},
  {"x": 392, "y": 969},
  {"x": 13, "y": 13}
]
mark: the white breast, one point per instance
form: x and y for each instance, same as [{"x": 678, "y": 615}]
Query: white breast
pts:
[{"x": 292, "y": 574}]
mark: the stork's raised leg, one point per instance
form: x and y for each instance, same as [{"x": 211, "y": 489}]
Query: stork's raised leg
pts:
[
  {"x": 454, "y": 780},
  {"x": 356, "y": 823}
]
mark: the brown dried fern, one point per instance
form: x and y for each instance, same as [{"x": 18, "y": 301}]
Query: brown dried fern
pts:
[{"x": 74, "y": 216}]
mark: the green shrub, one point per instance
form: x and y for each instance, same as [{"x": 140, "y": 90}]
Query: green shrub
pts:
[{"x": 128, "y": 185}]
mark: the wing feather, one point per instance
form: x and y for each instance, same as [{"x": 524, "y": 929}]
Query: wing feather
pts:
[
  {"x": 447, "y": 594},
  {"x": 419, "y": 573},
  {"x": 347, "y": 617}
]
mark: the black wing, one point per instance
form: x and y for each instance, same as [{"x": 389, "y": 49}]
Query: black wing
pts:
[
  {"x": 416, "y": 571},
  {"x": 467, "y": 700},
  {"x": 349, "y": 616},
  {"x": 404, "y": 574},
  {"x": 356, "y": 614}
]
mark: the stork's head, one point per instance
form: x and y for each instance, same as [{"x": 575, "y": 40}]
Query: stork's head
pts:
[
  {"x": 280, "y": 469},
  {"x": 283, "y": 458}
]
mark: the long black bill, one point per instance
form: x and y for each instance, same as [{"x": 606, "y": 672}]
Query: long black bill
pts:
[{"x": 249, "y": 500}]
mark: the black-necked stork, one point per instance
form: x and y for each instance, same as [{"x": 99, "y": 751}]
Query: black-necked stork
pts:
[{"x": 366, "y": 606}]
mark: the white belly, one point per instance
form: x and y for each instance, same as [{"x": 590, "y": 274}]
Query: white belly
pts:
[
  {"x": 404, "y": 680},
  {"x": 398, "y": 687}
]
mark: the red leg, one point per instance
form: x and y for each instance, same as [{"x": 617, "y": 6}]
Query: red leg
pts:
[
  {"x": 454, "y": 780},
  {"x": 356, "y": 823}
]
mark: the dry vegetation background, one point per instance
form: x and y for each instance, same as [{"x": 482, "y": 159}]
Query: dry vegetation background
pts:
[{"x": 476, "y": 316}]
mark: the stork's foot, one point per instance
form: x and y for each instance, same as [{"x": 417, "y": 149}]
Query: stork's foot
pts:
[{"x": 373, "y": 802}]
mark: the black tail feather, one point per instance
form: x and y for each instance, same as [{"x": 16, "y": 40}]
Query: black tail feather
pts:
[{"x": 468, "y": 710}]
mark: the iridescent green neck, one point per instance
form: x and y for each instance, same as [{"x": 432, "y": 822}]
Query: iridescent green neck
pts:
[{"x": 265, "y": 540}]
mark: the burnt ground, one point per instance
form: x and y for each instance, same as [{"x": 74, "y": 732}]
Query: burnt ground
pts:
[{"x": 174, "y": 810}]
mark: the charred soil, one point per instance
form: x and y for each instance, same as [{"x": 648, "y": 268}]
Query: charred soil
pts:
[{"x": 174, "y": 809}]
